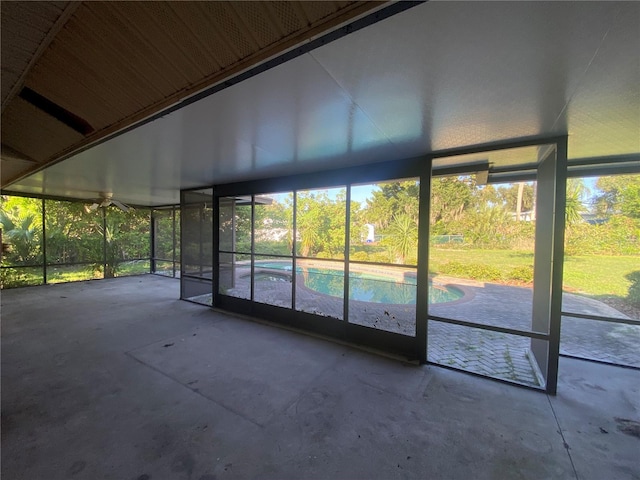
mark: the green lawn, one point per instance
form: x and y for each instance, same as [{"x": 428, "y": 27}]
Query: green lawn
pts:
[
  {"x": 19, "y": 277},
  {"x": 592, "y": 274}
]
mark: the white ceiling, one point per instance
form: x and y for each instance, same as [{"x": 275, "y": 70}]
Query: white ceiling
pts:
[{"x": 438, "y": 76}]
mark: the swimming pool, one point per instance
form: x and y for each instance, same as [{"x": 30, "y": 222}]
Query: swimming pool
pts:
[{"x": 365, "y": 287}]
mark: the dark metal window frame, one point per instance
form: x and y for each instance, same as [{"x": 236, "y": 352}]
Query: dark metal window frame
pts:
[
  {"x": 102, "y": 260},
  {"x": 174, "y": 260},
  {"x": 417, "y": 167},
  {"x": 596, "y": 167},
  {"x": 184, "y": 276}
]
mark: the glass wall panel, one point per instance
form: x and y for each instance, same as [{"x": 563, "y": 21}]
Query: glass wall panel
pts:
[
  {"x": 601, "y": 276},
  {"x": 609, "y": 342},
  {"x": 164, "y": 268},
  {"x": 235, "y": 224},
  {"x": 227, "y": 224},
  {"x": 273, "y": 224},
  {"x": 177, "y": 241},
  {"x": 383, "y": 232},
  {"x": 133, "y": 267},
  {"x": 197, "y": 233},
  {"x": 234, "y": 230},
  {"x": 22, "y": 237},
  {"x": 493, "y": 354},
  {"x": 272, "y": 280},
  {"x": 320, "y": 223},
  {"x": 320, "y": 287},
  {"x": 74, "y": 239},
  {"x": 13, "y": 277},
  {"x": 602, "y": 247},
  {"x": 492, "y": 232},
  {"x": 383, "y": 297},
  {"x": 197, "y": 245},
  {"x": 128, "y": 239},
  {"x": 73, "y": 273},
  {"x": 235, "y": 275},
  {"x": 75, "y": 242},
  {"x": 163, "y": 234},
  {"x": 384, "y": 222},
  {"x": 74, "y": 234},
  {"x": 166, "y": 242},
  {"x": 482, "y": 244}
]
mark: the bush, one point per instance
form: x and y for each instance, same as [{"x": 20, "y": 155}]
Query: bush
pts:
[
  {"x": 521, "y": 274},
  {"x": 17, "y": 277},
  {"x": 476, "y": 271},
  {"x": 359, "y": 256},
  {"x": 634, "y": 289},
  {"x": 618, "y": 236}
]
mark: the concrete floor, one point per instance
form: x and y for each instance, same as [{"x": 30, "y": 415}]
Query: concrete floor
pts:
[{"x": 115, "y": 379}]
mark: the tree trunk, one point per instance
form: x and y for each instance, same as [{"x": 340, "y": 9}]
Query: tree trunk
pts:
[{"x": 519, "y": 201}]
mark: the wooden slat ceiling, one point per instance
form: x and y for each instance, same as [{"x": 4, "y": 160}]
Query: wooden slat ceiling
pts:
[{"x": 74, "y": 72}]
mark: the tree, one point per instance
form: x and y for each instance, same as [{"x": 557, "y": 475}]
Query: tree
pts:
[
  {"x": 509, "y": 196},
  {"x": 450, "y": 196},
  {"x": 620, "y": 195},
  {"x": 403, "y": 238},
  {"x": 574, "y": 206},
  {"x": 21, "y": 222},
  {"x": 390, "y": 199},
  {"x": 320, "y": 224}
]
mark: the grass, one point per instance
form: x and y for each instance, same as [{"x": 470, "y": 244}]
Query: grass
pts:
[
  {"x": 596, "y": 275},
  {"x": 72, "y": 273},
  {"x": 600, "y": 274}
]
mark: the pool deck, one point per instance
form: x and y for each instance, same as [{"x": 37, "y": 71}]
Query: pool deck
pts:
[{"x": 473, "y": 349}]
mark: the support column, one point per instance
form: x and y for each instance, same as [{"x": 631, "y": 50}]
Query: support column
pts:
[
  {"x": 422, "y": 293},
  {"x": 549, "y": 256}
]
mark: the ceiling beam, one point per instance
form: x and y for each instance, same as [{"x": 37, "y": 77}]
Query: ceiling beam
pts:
[{"x": 46, "y": 41}]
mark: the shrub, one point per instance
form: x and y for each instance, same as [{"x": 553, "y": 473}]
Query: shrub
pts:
[
  {"x": 618, "y": 236},
  {"x": 476, "y": 271},
  {"x": 634, "y": 289},
  {"x": 521, "y": 274},
  {"x": 12, "y": 278},
  {"x": 359, "y": 256}
]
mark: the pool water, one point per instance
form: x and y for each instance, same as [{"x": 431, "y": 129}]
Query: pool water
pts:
[{"x": 366, "y": 287}]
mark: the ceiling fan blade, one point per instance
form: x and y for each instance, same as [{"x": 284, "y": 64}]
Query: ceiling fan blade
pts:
[
  {"x": 121, "y": 206},
  {"x": 91, "y": 208}
]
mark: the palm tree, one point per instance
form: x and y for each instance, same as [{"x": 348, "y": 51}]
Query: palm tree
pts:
[
  {"x": 22, "y": 232},
  {"x": 403, "y": 236},
  {"x": 574, "y": 206}
]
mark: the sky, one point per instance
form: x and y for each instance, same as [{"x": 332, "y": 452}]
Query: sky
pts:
[{"x": 359, "y": 193}]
